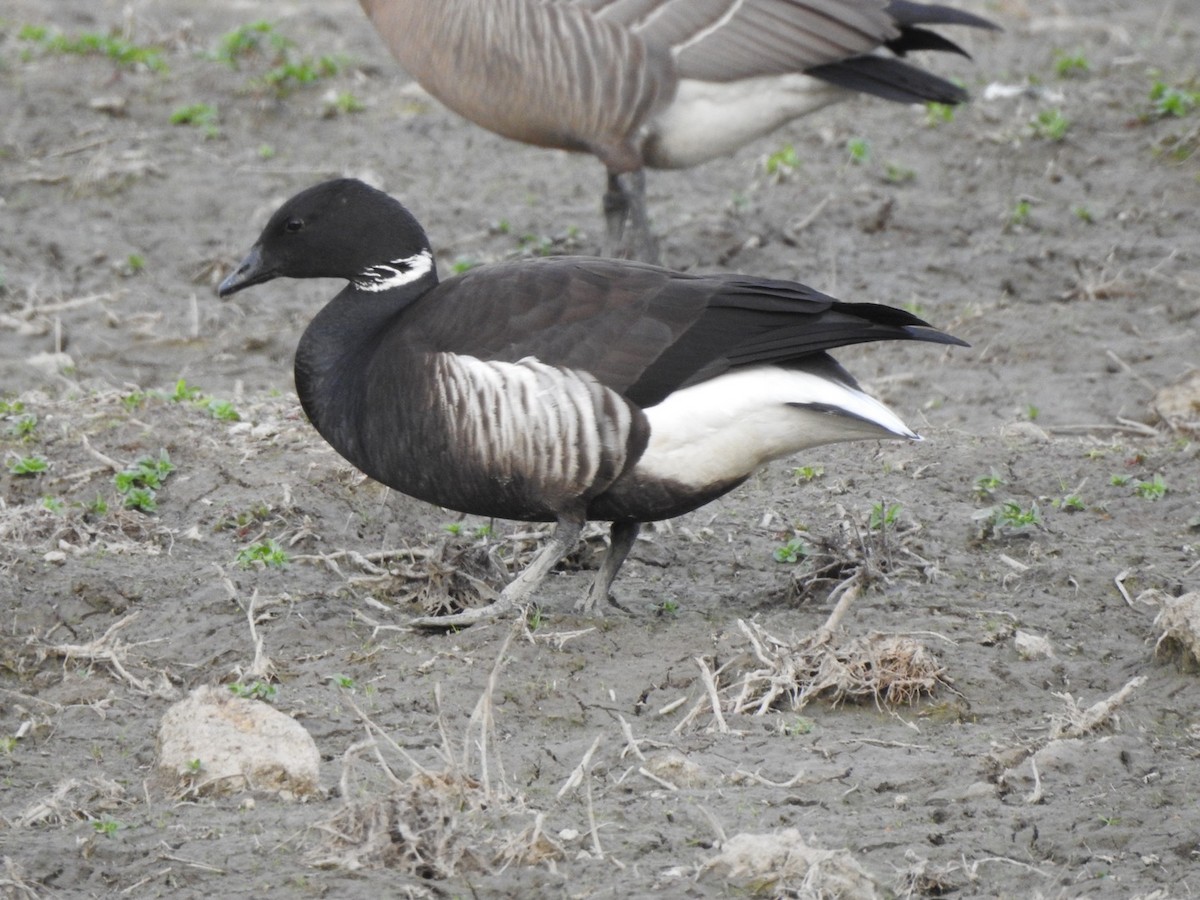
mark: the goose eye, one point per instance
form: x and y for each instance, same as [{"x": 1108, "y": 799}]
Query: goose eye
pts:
[{"x": 293, "y": 225}]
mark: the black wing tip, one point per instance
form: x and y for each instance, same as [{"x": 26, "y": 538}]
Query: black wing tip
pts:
[{"x": 931, "y": 335}]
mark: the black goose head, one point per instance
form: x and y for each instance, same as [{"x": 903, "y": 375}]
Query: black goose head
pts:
[{"x": 339, "y": 229}]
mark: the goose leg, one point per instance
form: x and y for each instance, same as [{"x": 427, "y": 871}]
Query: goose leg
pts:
[
  {"x": 626, "y": 219},
  {"x": 519, "y": 590},
  {"x": 621, "y": 540}
]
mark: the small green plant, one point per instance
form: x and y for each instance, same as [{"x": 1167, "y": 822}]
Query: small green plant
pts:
[
  {"x": 802, "y": 474},
  {"x": 267, "y": 552},
  {"x": 248, "y": 40},
  {"x": 791, "y": 552},
  {"x": 54, "y": 504},
  {"x": 298, "y": 72},
  {"x": 1011, "y": 513},
  {"x": 135, "y": 264},
  {"x": 140, "y": 498},
  {"x": 1072, "y": 503},
  {"x": 255, "y": 690},
  {"x": 1084, "y": 215},
  {"x": 345, "y": 682},
  {"x": 8, "y": 745},
  {"x": 938, "y": 113},
  {"x": 883, "y": 516},
  {"x": 894, "y": 173},
  {"x": 859, "y": 150},
  {"x": 194, "y": 766},
  {"x": 107, "y": 826},
  {"x": 183, "y": 391},
  {"x": 1120, "y": 480},
  {"x": 200, "y": 115},
  {"x": 345, "y": 102},
  {"x": 1168, "y": 101},
  {"x": 147, "y": 472},
  {"x": 24, "y": 426},
  {"x": 534, "y": 619},
  {"x": 97, "y": 507},
  {"x": 1050, "y": 125},
  {"x": 782, "y": 162},
  {"x": 34, "y": 464},
  {"x": 11, "y": 407},
  {"x": 133, "y": 400},
  {"x": 120, "y": 51},
  {"x": 799, "y": 725},
  {"x": 985, "y": 485},
  {"x": 668, "y": 608},
  {"x": 222, "y": 410},
  {"x": 266, "y": 151},
  {"x": 483, "y": 531},
  {"x": 1071, "y": 65},
  {"x": 1020, "y": 213},
  {"x": 1154, "y": 489},
  {"x": 1032, "y": 412},
  {"x": 454, "y": 528}
]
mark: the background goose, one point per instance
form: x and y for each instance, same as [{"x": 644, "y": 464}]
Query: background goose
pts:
[
  {"x": 659, "y": 83},
  {"x": 559, "y": 389}
]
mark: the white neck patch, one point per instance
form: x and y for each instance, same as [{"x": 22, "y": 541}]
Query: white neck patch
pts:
[{"x": 394, "y": 274}]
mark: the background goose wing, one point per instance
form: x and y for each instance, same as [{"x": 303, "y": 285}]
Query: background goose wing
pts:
[{"x": 725, "y": 40}]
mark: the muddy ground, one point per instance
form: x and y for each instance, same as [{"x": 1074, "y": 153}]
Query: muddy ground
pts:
[{"x": 1053, "y": 224}]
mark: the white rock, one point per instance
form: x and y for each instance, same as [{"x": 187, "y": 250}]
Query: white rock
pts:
[{"x": 214, "y": 742}]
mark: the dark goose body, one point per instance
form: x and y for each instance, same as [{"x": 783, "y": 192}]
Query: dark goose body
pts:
[{"x": 561, "y": 389}]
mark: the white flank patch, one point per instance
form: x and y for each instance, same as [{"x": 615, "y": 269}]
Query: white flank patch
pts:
[
  {"x": 394, "y": 274},
  {"x": 727, "y": 427},
  {"x": 707, "y": 119},
  {"x": 541, "y": 421}
]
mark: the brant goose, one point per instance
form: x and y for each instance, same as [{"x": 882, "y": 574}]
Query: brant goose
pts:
[
  {"x": 559, "y": 389},
  {"x": 659, "y": 83}
]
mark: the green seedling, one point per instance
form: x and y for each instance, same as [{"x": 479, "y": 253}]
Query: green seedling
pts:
[
  {"x": 140, "y": 498},
  {"x": 1071, "y": 65},
  {"x": 183, "y": 391},
  {"x": 1084, "y": 215},
  {"x": 97, "y": 507},
  {"x": 1154, "y": 489},
  {"x": 248, "y": 40},
  {"x": 783, "y": 161},
  {"x": 534, "y": 619},
  {"x": 200, "y": 115},
  {"x": 222, "y": 410},
  {"x": 799, "y": 725},
  {"x": 883, "y": 516},
  {"x": 267, "y": 552},
  {"x": 194, "y": 766},
  {"x": 24, "y": 426},
  {"x": 1119, "y": 480},
  {"x": 859, "y": 150},
  {"x": 135, "y": 264},
  {"x": 668, "y": 608},
  {"x": 107, "y": 826},
  {"x": 802, "y": 474},
  {"x": 1020, "y": 213},
  {"x": 1050, "y": 125},
  {"x": 938, "y": 113},
  {"x": 1011, "y": 514},
  {"x": 118, "y": 50},
  {"x": 1072, "y": 503},
  {"x": 11, "y": 407},
  {"x": 294, "y": 73},
  {"x": 54, "y": 504},
  {"x": 343, "y": 681},
  {"x": 1171, "y": 101},
  {"x": 255, "y": 690},
  {"x": 454, "y": 528},
  {"x": 985, "y": 485},
  {"x": 34, "y": 464},
  {"x": 791, "y": 552},
  {"x": 345, "y": 102},
  {"x": 894, "y": 173}
]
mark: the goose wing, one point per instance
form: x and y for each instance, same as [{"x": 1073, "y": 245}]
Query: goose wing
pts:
[{"x": 641, "y": 330}]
